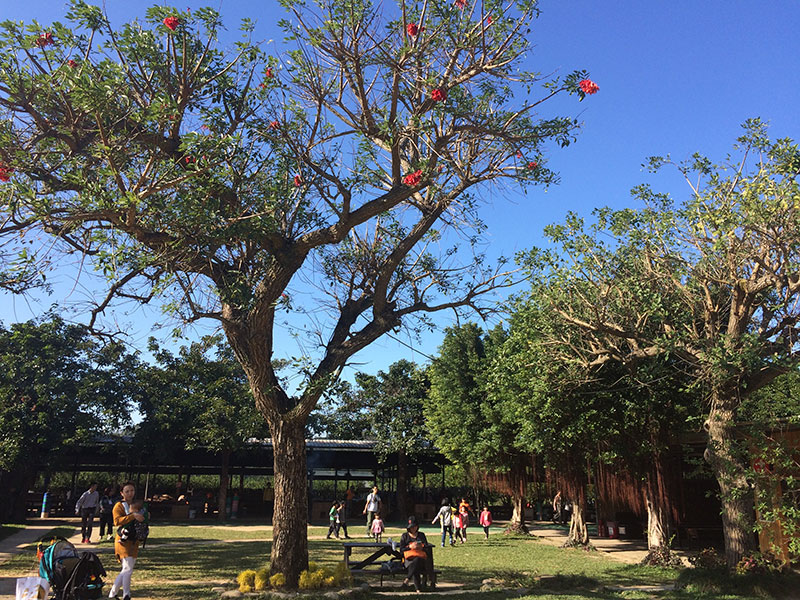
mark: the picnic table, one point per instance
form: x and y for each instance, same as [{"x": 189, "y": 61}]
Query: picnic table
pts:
[
  {"x": 380, "y": 549},
  {"x": 392, "y": 566}
]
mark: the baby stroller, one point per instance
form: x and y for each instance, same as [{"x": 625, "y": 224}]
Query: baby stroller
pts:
[{"x": 73, "y": 575}]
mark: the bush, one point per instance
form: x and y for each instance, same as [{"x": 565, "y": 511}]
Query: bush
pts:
[
  {"x": 246, "y": 580},
  {"x": 708, "y": 559},
  {"x": 262, "y": 580},
  {"x": 321, "y": 577},
  {"x": 662, "y": 557},
  {"x": 278, "y": 580},
  {"x": 759, "y": 564}
]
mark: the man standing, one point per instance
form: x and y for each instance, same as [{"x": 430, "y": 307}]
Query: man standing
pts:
[
  {"x": 372, "y": 506},
  {"x": 86, "y": 507}
]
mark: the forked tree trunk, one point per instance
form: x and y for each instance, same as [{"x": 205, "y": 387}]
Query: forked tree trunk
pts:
[
  {"x": 578, "y": 532},
  {"x": 730, "y": 471},
  {"x": 224, "y": 478},
  {"x": 289, "y": 522}
]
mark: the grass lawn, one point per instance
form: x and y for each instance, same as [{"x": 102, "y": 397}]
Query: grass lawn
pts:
[
  {"x": 185, "y": 561},
  {"x": 10, "y": 529}
]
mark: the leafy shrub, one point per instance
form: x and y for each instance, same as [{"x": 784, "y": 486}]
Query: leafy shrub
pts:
[
  {"x": 246, "y": 580},
  {"x": 759, "y": 563},
  {"x": 708, "y": 559},
  {"x": 261, "y": 580},
  {"x": 663, "y": 556},
  {"x": 324, "y": 577},
  {"x": 278, "y": 580}
]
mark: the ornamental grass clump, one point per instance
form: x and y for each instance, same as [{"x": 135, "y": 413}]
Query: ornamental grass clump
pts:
[
  {"x": 262, "y": 582},
  {"x": 321, "y": 577},
  {"x": 246, "y": 580}
]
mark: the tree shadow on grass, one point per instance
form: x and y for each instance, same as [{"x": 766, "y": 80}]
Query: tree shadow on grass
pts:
[{"x": 202, "y": 562}]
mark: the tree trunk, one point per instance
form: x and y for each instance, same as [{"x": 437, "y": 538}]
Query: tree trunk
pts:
[
  {"x": 730, "y": 471},
  {"x": 222, "y": 497},
  {"x": 517, "y": 523},
  {"x": 578, "y": 533},
  {"x": 290, "y": 518},
  {"x": 659, "y": 522},
  {"x": 402, "y": 485}
]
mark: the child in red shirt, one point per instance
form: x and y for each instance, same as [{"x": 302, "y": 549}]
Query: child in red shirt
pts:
[{"x": 486, "y": 520}]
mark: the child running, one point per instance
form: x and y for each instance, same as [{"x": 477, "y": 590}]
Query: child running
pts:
[
  {"x": 377, "y": 527},
  {"x": 485, "y": 520},
  {"x": 445, "y": 518}
]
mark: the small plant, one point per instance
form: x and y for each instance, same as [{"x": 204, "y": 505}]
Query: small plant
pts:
[
  {"x": 278, "y": 580},
  {"x": 759, "y": 564},
  {"x": 708, "y": 559},
  {"x": 662, "y": 556},
  {"x": 321, "y": 577},
  {"x": 246, "y": 580},
  {"x": 262, "y": 580}
]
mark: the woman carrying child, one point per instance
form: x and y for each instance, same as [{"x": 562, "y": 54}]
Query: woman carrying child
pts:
[{"x": 126, "y": 550}]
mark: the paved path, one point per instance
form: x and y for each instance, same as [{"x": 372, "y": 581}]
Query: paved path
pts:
[
  {"x": 14, "y": 544},
  {"x": 627, "y": 551}
]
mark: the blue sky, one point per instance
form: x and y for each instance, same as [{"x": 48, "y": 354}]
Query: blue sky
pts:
[{"x": 675, "y": 77}]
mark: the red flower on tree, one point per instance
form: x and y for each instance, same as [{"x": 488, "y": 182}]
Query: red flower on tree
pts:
[
  {"x": 274, "y": 125},
  {"x": 519, "y": 154},
  {"x": 45, "y": 39},
  {"x": 460, "y": 4},
  {"x": 489, "y": 20},
  {"x": 532, "y": 165},
  {"x": 439, "y": 95},
  {"x": 298, "y": 180},
  {"x": 5, "y": 172},
  {"x": 72, "y": 63},
  {"x": 413, "y": 179},
  {"x": 588, "y": 86},
  {"x": 268, "y": 73},
  {"x": 412, "y": 29},
  {"x": 172, "y": 23}
]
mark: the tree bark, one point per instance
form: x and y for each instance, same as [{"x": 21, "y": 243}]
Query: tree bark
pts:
[
  {"x": 730, "y": 470},
  {"x": 290, "y": 519},
  {"x": 222, "y": 496}
]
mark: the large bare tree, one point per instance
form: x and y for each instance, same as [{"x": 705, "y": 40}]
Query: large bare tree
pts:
[{"x": 334, "y": 182}]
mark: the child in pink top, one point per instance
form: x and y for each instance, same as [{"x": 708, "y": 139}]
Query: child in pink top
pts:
[
  {"x": 377, "y": 527},
  {"x": 486, "y": 520},
  {"x": 464, "y": 521},
  {"x": 458, "y": 527}
]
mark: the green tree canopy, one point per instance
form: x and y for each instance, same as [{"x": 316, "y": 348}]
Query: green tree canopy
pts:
[
  {"x": 59, "y": 388},
  {"x": 333, "y": 182},
  {"x": 711, "y": 282}
]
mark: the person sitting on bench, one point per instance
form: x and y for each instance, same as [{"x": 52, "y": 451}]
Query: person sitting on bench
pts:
[{"x": 416, "y": 559}]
